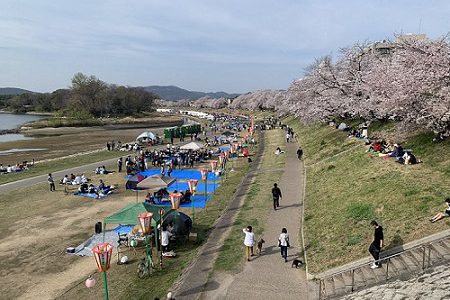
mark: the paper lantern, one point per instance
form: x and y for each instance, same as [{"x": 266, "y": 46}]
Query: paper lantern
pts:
[
  {"x": 192, "y": 185},
  {"x": 175, "y": 199},
  {"x": 90, "y": 282},
  {"x": 213, "y": 164},
  {"x": 145, "y": 219},
  {"x": 102, "y": 254},
  {"x": 204, "y": 173}
]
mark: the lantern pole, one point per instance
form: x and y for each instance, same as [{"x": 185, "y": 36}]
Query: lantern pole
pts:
[
  {"x": 206, "y": 190},
  {"x": 105, "y": 285},
  {"x": 193, "y": 188},
  {"x": 161, "y": 213}
]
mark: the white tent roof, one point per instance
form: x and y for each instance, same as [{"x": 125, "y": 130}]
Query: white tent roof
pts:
[
  {"x": 146, "y": 135},
  {"x": 192, "y": 146}
]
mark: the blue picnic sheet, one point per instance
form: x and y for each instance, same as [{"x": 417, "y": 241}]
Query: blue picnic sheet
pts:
[
  {"x": 199, "y": 201},
  {"x": 181, "y": 174}
]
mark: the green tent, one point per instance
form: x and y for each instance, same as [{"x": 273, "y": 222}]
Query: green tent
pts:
[{"x": 129, "y": 214}]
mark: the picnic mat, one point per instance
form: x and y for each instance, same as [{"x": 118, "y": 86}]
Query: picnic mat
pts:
[
  {"x": 123, "y": 229},
  {"x": 183, "y": 186},
  {"x": 85, "y": 249},
  {"x": 199, "y": 202},
  {"x": 91, "y": 195},
  {"x": 181, "y": 174}
]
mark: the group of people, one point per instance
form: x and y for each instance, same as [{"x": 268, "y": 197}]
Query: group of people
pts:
[
  {"x": 19, "y": 167},
  {"x": 249, "y": 242},
  {"x": 74, "y": 180},
  {"x": 396, "y": 151},
  {"x": 101, "y": 190}
]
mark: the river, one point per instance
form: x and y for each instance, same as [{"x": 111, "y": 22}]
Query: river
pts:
[{"x": 11, "y": 121}]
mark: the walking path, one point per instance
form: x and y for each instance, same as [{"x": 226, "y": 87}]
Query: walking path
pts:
[
  {"x": 195, "y": 277},
  {"x": 268, "y": 276}
]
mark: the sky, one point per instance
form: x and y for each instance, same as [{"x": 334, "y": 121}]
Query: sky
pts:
[{"x": 201, "y": 45}]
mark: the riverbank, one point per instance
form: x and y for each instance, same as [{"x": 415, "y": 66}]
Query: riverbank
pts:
[{"x": 65, "y": 141}]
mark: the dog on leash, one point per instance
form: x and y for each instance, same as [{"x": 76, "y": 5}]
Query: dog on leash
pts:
[
  {"x": 296, "y": 263},
  {"x": 259, "y": 246}
]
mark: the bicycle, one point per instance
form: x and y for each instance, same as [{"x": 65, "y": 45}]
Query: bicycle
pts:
[{"x": 145, "y": 267}]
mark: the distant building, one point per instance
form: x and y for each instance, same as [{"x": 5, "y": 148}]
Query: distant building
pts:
[
  {"x": 164, "y": 110},
  {"x": 386, "y": 47}
]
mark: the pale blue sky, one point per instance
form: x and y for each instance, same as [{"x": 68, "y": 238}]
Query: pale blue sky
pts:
[{"x": 204, "y": 45}]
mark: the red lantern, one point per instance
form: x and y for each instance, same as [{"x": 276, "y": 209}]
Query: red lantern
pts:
[
  {"x": 90, "y": 282},
  {"x": 204, "y": 173},
  {"x": 213, "y": 165},
  {"x": 102, "y": 254},
  {"x": 192, "y": 185},
  {"x": 145, "y": 219},
  {"x": 175, "y": 198}
]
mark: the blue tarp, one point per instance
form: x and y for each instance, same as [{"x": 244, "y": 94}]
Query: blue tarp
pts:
[
  {"x": 123, "y": 229},
  {"x": 182, "y": 174},
  {"x": 90, "y": 195},
  {"x": 199, "y": 202}
]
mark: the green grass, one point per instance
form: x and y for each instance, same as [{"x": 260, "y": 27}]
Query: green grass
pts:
[
  {"x": 59, "y": 164},
  {"x": 256, "y": 206},
  {"x": 345, "y": 192}
]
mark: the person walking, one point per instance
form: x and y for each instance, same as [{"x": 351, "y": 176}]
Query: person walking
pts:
[
  {"x": 276, "y": 195},
  {"x": 299, "y": 153},
  {"x": 283, "y": 243},
  {"x": 119, "y": 164},
  {"x": 249, "y": 240},
  {"x": 51, "y": 182},
  {"x": 377, "y": 244}
]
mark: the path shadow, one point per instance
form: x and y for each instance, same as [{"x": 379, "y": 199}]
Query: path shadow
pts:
[
  {"x": 210, "y": 286},
  {"x": 288, "y": 206},
  {"x": 395, "y": 246}
]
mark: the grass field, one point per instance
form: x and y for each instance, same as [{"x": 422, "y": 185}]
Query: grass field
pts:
[
  {"x": 347, "y": 188},
  {"x": 256, "y": 207}
]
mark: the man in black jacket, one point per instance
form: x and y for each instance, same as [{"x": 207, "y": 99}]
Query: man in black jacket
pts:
[
  {"x": 377, "y": 244},
  {"x": 276, "y": 194}
]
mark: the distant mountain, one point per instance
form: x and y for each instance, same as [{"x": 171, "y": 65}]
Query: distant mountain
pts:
[
  {"x": 12, "y": 91},
  {"x": 175, "y": 93}
]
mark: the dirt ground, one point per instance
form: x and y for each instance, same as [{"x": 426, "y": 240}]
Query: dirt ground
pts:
[
  {"x": 36, "y": 228},
  {"x": 59, "y": 142}
]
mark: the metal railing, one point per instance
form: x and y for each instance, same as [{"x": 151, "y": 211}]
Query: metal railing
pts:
[{"x": 425, "y": 263}]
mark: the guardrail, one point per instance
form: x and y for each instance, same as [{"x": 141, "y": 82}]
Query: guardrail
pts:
[{"x": 425, "y": 262}]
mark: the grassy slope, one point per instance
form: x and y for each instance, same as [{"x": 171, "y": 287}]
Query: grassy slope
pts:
[
  {"x": 256, "y": 207},
  {"x": 344, "y": 193}
]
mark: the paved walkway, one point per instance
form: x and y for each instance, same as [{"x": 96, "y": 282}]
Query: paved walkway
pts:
[
  {"x": 195, "y": 277},
  {"x": 268, "y": 276}
]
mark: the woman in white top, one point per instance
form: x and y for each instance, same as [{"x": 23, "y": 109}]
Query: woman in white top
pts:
[
  {"x": 283, "y": 242},
  {"x": 165, "y": 239},
  {"x": 249, "y": 240}
]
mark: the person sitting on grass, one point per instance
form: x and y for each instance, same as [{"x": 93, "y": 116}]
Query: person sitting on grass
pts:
[
  {"x": 83, "y": 189},
  {"x": 397, "y": 152},
  {"x": 92, "y": 190},
  {"x": 278, "y": 151},
  {"x": 442, "y": 215},
  {"x": 66, "y": 180},
  {"x": 103, "y": 188}
]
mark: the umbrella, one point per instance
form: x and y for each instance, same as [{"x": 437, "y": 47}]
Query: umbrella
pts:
[
  {"x": 192, "y": 146},
  {"x": 156, "y": 182},
  {"x": 146, "y": 135},
  {"x": 133, "y": 181},
  {"x": 228, "y": 133}
]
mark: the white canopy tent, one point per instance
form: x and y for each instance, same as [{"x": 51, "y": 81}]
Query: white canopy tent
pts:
[
  {"x": 192, "y": 146},
  {"x": 145, "y": 137}
]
